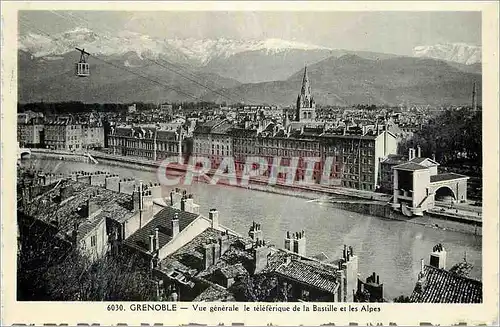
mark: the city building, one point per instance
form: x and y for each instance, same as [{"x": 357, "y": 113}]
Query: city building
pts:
[
  {"x": 350, "y": 156},
  {"x": 63, "y": 135},
  {"x": 93, "y": 135},
  {"x": 147, "y": 141},
  {"x": 27, "y": 116},
  {"x": 356, "y": 155},
  {"x": 31, "y": 133},
  {"x": 132, "y": 109},
  {"x": 386, "y": 176},
  {"x": 417, "y": 185},
  {"x": 211, "y": 140},
  {"x": 167, "y": 109}
]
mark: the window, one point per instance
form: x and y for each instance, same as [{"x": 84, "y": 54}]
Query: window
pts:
[{"x": 93, "y": 240}]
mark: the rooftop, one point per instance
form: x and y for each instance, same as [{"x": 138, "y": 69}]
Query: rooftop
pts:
[
  {"x": 65, "y": 213},
  {"x": 410, "y": 166},
  {"x": 317, "y": 274},
  {"x": 214, "y": 293},
  {"x": 442, "y": 286},
  {"x": 394, "y": 159},
  {"x": 163, "y": 221},
  {"x": 425, "y": 161},
  {"x": 446, "y": 177}
]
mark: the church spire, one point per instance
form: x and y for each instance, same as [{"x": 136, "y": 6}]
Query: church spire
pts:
[
  {"x": 306, "y": 108},
  {"x": 306, "y": 87}
]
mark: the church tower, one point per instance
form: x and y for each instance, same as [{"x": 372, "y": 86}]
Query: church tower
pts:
[{"x": 306, "y": 107}]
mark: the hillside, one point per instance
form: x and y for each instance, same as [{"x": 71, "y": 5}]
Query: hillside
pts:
[{"x": 351, "y": 79}]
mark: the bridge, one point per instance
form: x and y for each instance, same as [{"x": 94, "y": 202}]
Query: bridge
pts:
[
  {"x": 449, "y": 187},
  {"x": 416, "y": 188},
  {"x": 23, "y": 153}
]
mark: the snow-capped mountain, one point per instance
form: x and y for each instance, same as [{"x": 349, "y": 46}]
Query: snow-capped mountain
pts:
[
  {"x": 456, "y": 52},
  {"x": 199, "y": 52},
  {"x": 205, "y": 51}
]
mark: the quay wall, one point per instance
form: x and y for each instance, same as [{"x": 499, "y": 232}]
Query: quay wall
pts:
[
  {"x": 60, "y": 155},
  {"x": 383, "y": 210}
]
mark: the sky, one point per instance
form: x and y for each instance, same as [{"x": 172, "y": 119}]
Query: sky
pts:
[{"x": 389, "y": 32}]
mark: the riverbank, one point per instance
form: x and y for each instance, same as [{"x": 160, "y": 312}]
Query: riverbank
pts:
[
  {"x": 60, "y": 155},
  {"x": 363, "y": 202}
]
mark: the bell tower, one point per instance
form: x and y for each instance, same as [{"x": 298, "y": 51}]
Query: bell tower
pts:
[{"x": 306, "y": 107}]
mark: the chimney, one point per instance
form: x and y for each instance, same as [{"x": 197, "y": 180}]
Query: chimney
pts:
[
  {"x": 422, "y": 281},
  {"x": 261, "y": 253},
  {"x": 175, "y": 225},
  {"x": 187, "y": 204},
  {"x": 224, "y": 243},
  {"x": 137, "y": 197},
  {"x": 208, "y": 254},
  {"x": 155, "y": 189},
  {"x": 183, "y": 204},
  {"x": 216, "y": 250},
  {"x": 419, "y": 152},
  {"x": 438, "y": 257},
  {"x": 157, "y": 238},
  {"x": 151, "y": 243},
  {"x": 411, "y": 152},
  {"x": 288, "y": 241},
  {"x": 255, "y": 232},
  {"x": 299, "y": 243},
  {"x": 213, "y": 215},
  {"x": 92, "y": 207}
]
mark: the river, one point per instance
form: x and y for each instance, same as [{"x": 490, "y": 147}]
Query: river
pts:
[{"x": 390, "y": 248}]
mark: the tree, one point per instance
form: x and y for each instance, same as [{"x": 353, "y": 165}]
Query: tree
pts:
[
  {"x": 256, "y": 288},
  {"x": 402, "y": 299},
  {"x": 454, "y": 136},
  {"x": 462, "y": 268},
  {"x": 50, "y": 268},
  {"x": 106, "y": 279}
]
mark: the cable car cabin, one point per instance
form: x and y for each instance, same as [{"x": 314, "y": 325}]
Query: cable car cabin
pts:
[{"x": 82, "y": 69}]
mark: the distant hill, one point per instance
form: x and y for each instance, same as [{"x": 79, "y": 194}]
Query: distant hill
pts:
[
  {"x": 264, "y": 66},
  {"x": 352, "y": 79}
]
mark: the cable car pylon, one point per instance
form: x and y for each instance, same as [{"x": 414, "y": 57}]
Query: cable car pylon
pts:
[{"x": 82, "y": 67}]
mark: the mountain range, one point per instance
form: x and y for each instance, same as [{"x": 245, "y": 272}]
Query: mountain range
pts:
[
  {"x": 455, "y": 52},
  {"x": 251, "y": 71}
]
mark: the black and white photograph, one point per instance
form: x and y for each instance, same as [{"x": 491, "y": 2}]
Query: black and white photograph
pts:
[{"x": 249, "y": 156}]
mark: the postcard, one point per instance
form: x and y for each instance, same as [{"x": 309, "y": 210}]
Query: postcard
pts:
[{"x": 250, "y": 163}]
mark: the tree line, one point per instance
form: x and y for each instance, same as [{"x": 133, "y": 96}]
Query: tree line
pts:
[{"x": 454, "y": 136}]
